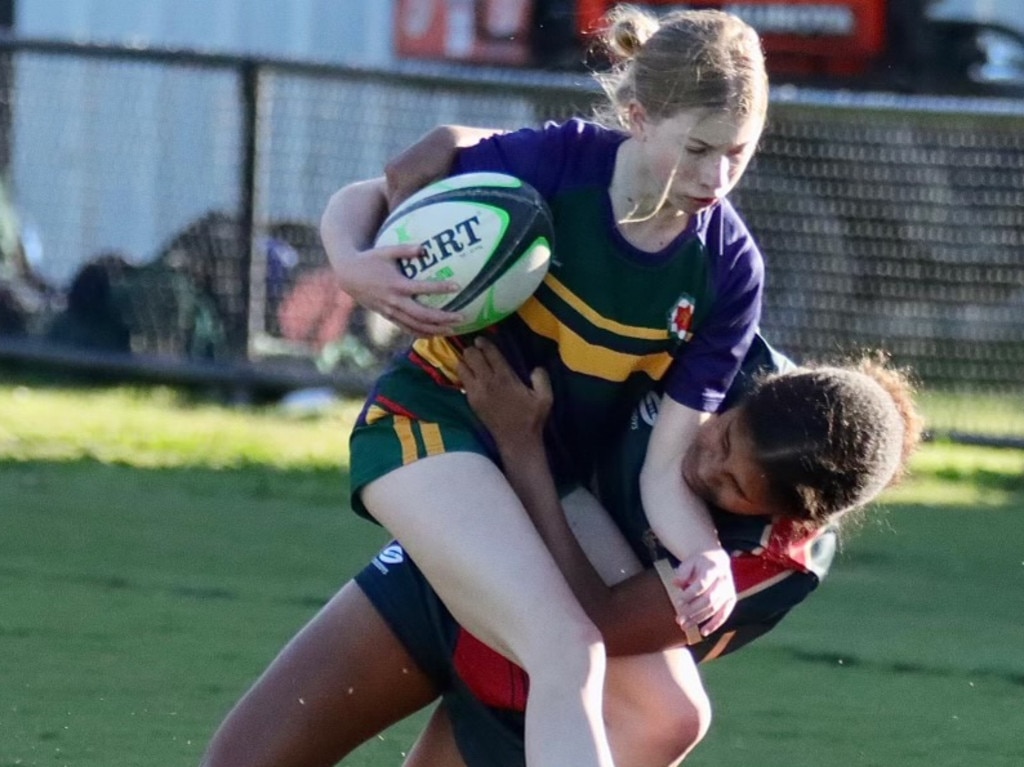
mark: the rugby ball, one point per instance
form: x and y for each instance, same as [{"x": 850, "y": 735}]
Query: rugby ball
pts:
[{"x": 489, "y": 232}]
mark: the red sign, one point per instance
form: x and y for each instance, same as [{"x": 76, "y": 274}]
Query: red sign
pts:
[
  {"x": 485, "y": 31},
  {"x": 800, "y": 36}
]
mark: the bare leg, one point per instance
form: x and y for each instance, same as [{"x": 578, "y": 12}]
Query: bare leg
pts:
[
  {"x": 656, "y": 708},
  {"x": 479, "y": 550},
  {"x": 655, "y": 705},
  {"x": 343, "y": 679}
]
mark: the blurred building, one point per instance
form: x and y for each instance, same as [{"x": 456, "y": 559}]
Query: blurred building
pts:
[{"x": 337, "y": 31}]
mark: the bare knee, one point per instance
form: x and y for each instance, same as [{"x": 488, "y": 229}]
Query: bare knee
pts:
[
  {"x": 688, "y": 721},
  {"x": 656, "y": 708},
  {"x": 671, "y": 727}
]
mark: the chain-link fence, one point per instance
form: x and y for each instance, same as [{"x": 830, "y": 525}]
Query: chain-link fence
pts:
[{"x": 167, "y": 205}]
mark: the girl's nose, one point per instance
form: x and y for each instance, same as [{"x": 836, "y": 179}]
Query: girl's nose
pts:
[{"x": 715, "y": 173}]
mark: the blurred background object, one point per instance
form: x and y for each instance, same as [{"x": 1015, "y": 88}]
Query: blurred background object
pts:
[
  {"x": 918, "y": 46},
  {"x": 195, "y": 180}
]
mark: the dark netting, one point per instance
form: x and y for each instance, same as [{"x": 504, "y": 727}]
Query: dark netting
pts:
[{"x": 898, "y": 229}]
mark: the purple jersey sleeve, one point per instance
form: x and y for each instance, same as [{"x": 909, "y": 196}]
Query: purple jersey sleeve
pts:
[{"x": 705, "y": 367}]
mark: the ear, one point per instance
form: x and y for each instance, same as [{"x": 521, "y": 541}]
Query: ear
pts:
[{"x": 637, "y": 117}]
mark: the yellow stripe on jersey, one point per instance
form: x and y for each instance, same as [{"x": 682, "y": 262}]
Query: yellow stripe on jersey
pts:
[
  {"x": 581, "y": 356},
  {"x": 437, "y": 351},
  {"x": 433, "y": 442},
  {"x": 375, "y": 413},
  {"x": 430, "y": 435},
  {"x": 719, "y": 647},
  {"x": 403, "y": 429},
  {"x": 600, "y": 321}
]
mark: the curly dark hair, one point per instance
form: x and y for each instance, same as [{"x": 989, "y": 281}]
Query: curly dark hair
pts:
[{"x": 831, "y": 438}]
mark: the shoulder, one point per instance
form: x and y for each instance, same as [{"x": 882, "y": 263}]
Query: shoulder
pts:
[
  {"x": 573, "y": 135},
  {"x": 782, "y": 542},
  {"x": 552, "y": 157},
  {"x": 583, "y": 132},
  {"x": 810, "y": 551}
]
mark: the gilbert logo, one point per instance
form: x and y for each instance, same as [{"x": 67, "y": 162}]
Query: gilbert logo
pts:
[
  {"x": 441, "y": 245},
  {"x": 680, "y": 318}
]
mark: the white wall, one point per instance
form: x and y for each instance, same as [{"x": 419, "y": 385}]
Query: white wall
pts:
[
  {"x": 70, "y": 121},
  {"x": 340, "y": 31}
]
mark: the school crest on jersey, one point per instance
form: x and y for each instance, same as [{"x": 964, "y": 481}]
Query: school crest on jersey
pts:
[{"x": 680, "y": 318}]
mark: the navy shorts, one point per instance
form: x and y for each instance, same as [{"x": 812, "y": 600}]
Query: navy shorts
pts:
[{"x": 486, "y": 736}]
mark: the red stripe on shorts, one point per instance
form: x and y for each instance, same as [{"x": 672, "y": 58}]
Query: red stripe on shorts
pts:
[{"x": 492, "y": 678}]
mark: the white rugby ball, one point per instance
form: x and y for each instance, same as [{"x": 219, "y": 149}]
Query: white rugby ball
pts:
[{"x": 489, "y": 232}]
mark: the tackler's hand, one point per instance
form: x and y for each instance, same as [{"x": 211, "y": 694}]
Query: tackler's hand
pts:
[
  {"x": 708, "y": 591},
  {"x": 511, "y": 410}
]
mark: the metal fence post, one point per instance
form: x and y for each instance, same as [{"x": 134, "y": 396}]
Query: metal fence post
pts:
[{"x": 244, "y": 329}]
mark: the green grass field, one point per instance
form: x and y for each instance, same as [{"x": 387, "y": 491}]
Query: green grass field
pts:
[{"x": 156, "y": 552}]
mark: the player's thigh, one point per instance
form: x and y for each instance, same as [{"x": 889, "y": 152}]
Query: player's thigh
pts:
[
  {"x": 343, "y": 679},
  {"x": 656, "y": 707},
  {"x": 602, "y": 541},
  {"x": 462, "y": 523}
]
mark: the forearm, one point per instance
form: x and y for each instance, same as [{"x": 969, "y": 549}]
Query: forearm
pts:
[
  {"x": 676, "y": 514},
  {"x": 351, "y": 219},
  {"x": 429, "y": 159},
  {"x": 682, "y": 523}
]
